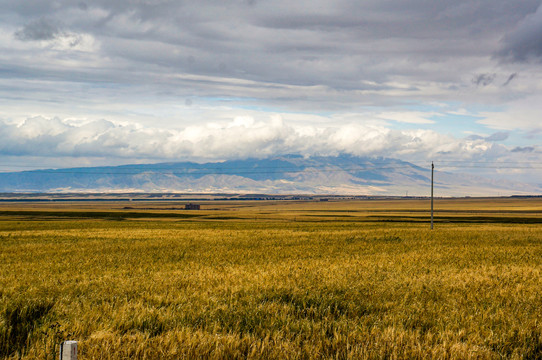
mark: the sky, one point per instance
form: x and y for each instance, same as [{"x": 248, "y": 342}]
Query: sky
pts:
[{"x": 143, "y": 81}]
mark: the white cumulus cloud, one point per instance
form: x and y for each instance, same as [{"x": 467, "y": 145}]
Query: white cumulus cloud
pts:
[{"x": 241, "y": 137}]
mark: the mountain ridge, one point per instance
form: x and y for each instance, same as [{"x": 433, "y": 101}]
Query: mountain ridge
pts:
[{"x": 341, "y": 174}]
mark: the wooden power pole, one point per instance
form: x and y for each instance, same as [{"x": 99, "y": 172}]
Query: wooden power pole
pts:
[{"x": 432, "y": 170}]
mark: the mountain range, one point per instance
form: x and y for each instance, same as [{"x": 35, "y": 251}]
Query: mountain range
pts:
[{"x": 290, "y": 174}]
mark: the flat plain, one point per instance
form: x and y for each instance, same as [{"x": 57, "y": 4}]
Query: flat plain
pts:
[{"x": 272, "y": 279}]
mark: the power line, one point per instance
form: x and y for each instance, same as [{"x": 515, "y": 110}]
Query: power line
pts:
[
  {"x": 491, "y": 167},
  {"x": 489, "y": 162}
]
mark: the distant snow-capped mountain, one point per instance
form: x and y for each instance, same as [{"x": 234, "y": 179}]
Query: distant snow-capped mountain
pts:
[{"x": 289, "y": 174}]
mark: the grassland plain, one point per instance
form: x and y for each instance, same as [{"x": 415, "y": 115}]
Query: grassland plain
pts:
[{"x": 272, "y": 280}]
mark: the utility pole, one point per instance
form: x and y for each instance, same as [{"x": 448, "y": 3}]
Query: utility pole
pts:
[{"x": 432, "y": 170}]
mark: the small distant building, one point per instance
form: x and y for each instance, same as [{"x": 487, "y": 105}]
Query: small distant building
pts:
[{"x": 191, "y": 207}]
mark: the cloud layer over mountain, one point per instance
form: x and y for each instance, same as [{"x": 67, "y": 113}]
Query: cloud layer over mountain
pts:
[
  {"x": 158, "y": 79},
  {"x": 229, "y": 140}
]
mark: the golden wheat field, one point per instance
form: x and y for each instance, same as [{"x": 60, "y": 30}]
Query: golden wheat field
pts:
[{"x": 272, "y": 280}]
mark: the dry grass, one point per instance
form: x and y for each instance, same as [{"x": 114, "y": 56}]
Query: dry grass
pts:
[{"x": 271, "y": 281}]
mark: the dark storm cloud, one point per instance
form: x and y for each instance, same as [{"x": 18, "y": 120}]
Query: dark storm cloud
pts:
[
  {"x": 304, "y": 55},
  {"x": 510, "y": 78},
  {"x": 484, "y": 79},
  {"x": 342, "y": 45},
  {"x": 41, "y": 29},
  {"x": 524, "y": 43}
]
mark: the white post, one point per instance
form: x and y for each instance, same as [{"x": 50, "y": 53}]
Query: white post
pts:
[{"x": 68, "y": 350}]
